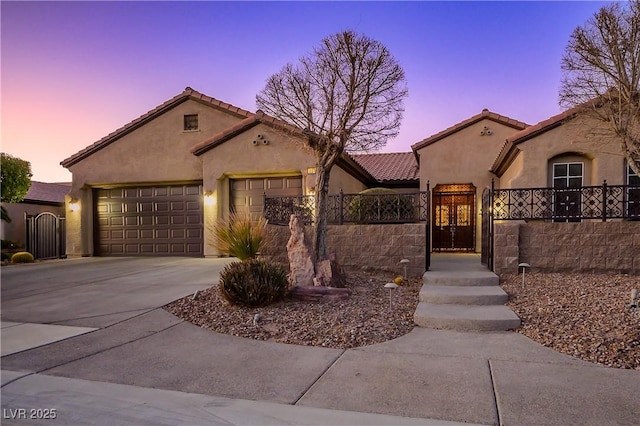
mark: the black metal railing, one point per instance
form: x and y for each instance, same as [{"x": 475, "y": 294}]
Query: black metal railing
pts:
[
  {"x": 567, "y": 204},
  {"x": 351, "y": 208}
]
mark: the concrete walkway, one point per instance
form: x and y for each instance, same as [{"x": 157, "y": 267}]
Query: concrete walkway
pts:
[{"x": 154, "y": 368}]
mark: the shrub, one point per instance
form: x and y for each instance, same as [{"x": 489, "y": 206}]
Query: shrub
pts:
[
  {"x": 381, "y": 205},
  {"x": 240, "y": 236},
  {"x": 22, "y": 257},
  {"x": 253, "y": 283},
  {"x": 5, "y": 256}
]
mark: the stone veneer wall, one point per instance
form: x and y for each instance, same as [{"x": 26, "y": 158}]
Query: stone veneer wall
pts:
[
  {"x": 364, "y": 247},
  {"x": 573, "y": 247}
]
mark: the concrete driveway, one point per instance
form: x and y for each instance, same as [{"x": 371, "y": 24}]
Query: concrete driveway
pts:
[{"x": 99, "y": 292}]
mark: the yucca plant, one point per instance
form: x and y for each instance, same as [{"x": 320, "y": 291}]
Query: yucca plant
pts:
[
  {"x": 253, "y": 283},
  {"x": 240, "y": 236}
]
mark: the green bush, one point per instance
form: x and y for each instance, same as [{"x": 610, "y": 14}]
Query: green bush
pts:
[
  {"x": 22, "y": 257},
  {"x": 240, "y": 236},
  {"x": 381, "y": 205},
  {"x": 253, "y": 283},
  {"x": 5, "y": 256}
]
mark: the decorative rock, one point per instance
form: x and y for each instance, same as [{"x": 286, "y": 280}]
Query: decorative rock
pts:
[
  {"x": 329, "y": 274},
  {"x": 299, "y": 254},
  {"x": 317, "y": 293}
]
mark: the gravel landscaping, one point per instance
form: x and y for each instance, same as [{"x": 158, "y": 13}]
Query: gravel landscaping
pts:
[
  {"x": 364, "y": 318},
  {"x": 583, "y": 315}
]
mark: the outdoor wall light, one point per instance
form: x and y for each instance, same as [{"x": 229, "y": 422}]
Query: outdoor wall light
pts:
[
  {"x": 209, "y": 198},
  {"x": 74, "y": 205},
  {"x": 311, "y": 170}
]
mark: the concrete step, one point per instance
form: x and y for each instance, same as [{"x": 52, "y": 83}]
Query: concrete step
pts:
[
  {"x": 465, "y": 317},
  {"x": 461, "y": 278},
  {"x": 463, "y": 295}
]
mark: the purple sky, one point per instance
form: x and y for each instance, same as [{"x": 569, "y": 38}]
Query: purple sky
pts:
[{"x": 74, "y": 72}]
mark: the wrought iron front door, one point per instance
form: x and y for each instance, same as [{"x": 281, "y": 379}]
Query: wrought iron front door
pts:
[{"x": 453, "y": 221}]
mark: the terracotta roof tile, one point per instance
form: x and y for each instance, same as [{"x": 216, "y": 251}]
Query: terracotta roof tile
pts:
[
  {"x": 44, "y": 192},
  {"x": 510, "y": 149},
  {"x": 242, "y": 126},
  {"x": 386, "y": 167},
  {"x": 187, "y": 94},
  {"x": 485, "y": 114}
]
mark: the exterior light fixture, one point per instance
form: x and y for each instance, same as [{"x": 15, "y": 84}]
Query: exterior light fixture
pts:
[
  {"x": 390, "y": 286},
  {"x": 405, "y": 262},
  {"x": 523, "y": 266},
  {"x": 74, "y": 205},
  {"x": 209, "y": 198},
  {"x": 311, "y": 170}
]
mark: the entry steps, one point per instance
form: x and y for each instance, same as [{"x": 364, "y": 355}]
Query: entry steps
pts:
[{"x": 464, "y": 301}]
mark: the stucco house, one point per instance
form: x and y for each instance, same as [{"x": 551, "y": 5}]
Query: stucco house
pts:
[
  {"x": 41, "y": 197},
  {"x": 156, "y": 185},
  {"x": 456, "y": 164}
]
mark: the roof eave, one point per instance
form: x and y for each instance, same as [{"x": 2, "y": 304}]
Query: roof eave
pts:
[
  {"x": 514, "y": 124},
  {"x": 352, "y": 167}
]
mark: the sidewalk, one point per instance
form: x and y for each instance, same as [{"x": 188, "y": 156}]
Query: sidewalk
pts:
[{"x": 156, "y": 369}]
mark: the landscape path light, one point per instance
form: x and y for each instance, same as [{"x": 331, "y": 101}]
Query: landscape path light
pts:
[
  {"x": 390, "y": 286},
  {"x": 405, "y": 262},
  {"x": 523, "y": 266}
]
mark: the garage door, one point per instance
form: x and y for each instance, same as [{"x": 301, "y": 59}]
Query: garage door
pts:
[
  {"x": 163, "y": 220},
  {"x": 249, "y": 193}
]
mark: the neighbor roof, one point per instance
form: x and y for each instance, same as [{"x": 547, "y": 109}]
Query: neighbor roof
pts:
[
  {"x": 390, "y": 167},
  {"x": 187, "y": 94},
  {"x": 485, "y": 114},
  {"x": 46, "y": 193}
]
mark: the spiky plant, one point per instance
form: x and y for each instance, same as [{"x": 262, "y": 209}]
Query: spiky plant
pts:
[
  {"x": 240, "y": 236},
  {"x": 253, "y": 283}
]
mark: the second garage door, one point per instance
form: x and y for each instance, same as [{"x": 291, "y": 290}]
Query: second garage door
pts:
[
  {"x": 162, "y": 220},
  {"x": 249, "y": 193}
]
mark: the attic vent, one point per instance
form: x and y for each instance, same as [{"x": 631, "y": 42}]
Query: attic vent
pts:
[{"x": 191, "y": 122}]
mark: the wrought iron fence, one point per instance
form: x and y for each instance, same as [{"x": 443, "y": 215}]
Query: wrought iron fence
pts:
[
  {"x": 351, "y": 208},
  {"x": 568, "y": 204}
]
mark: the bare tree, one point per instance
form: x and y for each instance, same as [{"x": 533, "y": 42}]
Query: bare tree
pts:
[
  {"x": 601, "y": 66},
  {"x": 347, "y": 95}
]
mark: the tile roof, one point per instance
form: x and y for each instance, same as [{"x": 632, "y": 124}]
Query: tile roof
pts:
[
  {"x": 345, "y": 161},
  {"x": 242, "y": 126},
  {"x": 510, "y": 149},
  {"x": 43, "y": 192},
  {"x": 187, "y": 94},
  {"x": 390, "y": 167},
  {"x": 485, "y": 114}
]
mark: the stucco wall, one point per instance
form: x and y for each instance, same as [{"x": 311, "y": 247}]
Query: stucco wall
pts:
[
  {"x": 365, "y": 247},
  {"x": 239, "y": 157},
  {"x": 465, "y": 157},
  {"x": 15, "y": 231},
  {"x": 576, "y": 247},
  {"x": 158, "y": 151},
  {"x": 531, "y": 167}
]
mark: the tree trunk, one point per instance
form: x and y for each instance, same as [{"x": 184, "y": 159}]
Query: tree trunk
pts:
[{"x": 322, "y": 196}]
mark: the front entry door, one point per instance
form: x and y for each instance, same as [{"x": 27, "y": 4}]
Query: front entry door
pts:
[{"x": 454, "y": 218}]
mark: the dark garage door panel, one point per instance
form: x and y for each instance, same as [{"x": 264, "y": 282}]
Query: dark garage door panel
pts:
[
  {"x": 249, "y": 193},
  {"x": 158, "y": 220}
]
